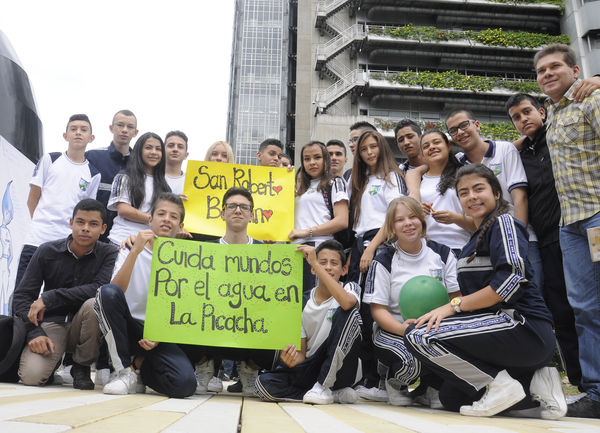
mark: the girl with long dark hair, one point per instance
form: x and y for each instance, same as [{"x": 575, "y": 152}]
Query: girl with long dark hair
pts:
[{"x": 135, "y": 189}]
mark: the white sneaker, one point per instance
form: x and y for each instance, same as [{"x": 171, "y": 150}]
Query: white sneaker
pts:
[
  {"x": 102, "y": 376},
  {"x": 430, "y": 399},
  {"x": 65, "y": 375},
  {"x": 546, "y": 387},
  {"x": 397, "y": 393},
  {"x": 215, "y": 384},
  {"x": 318, "y": 394},
  {"x": 248, "y": 377},
  {"x": 500, "y": 394},
  {"x": 373, "y": 394},
  {"x": 204, "y": 373},
  {"x": 124, "y": 383},
  {"x": 345, "y": 396}
]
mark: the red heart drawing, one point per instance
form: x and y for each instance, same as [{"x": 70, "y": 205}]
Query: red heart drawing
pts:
[
  {"x": 268, "y": 214},
  {"x": 277, "y": 188}
]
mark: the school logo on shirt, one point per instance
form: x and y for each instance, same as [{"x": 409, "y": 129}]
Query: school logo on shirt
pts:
[
  {"x": 374, "y": 189},
  {"x": 496, "y": 168},
  {"x": 83, "y": 184},
  {"x": 436, "y": 273},
  {"x": 311, "y": 190},
  {"x": 330, "y": 313}
]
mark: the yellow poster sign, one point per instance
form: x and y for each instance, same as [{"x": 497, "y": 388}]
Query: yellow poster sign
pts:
[{"x": 272, "y": 189}]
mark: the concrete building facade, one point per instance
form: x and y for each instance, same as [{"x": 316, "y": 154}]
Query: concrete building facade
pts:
[{"x": 343, "y": 61}]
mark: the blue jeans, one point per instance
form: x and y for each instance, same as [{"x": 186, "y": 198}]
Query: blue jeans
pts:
[
  {"x": 582, "y": 277},
  {"x": 535, "y": 265}
]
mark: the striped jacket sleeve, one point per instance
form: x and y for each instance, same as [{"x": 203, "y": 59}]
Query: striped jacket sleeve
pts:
[{"x": 508, "y": 250}]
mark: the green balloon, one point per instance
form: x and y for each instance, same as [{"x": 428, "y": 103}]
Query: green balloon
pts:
[{"x": 420, "y": 295}]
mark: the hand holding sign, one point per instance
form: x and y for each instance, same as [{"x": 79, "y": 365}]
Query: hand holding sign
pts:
[{"x": 224, "y": 295}]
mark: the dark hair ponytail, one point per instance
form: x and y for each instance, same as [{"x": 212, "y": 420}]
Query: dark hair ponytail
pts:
[{"x": 502, "y": 205}]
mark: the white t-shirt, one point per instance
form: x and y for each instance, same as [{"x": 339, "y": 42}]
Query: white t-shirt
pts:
[
  {"x": 137, "y": 290},
  {"x": 224, "y": 242},
  {"x": 448, "y": 234},
  {"x": 311, "y": 210},
  {"x": 176, "y": 183},
  {"x": 64, "y": 183},
  {"x": 316, "y": 319},
  {"x": 122, "y": 227},
  {"x": 375, "y": 200},
  {"x": 394, "y": 267},
  {"x": 503, "y": 158}
]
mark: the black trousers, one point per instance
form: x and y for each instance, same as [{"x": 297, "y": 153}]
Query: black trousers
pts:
[
  {"x": 333, "y": 365},
  {"x": 166, "y": 368},
  {"x": 470, "y": 349},
  {"x": 554, "y": 291}
]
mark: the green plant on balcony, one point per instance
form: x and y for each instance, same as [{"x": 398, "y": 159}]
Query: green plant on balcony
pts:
[
  {"x": 491, "y": 37},
  {"x": 489, "y": 130},
  {"x": 457, "y": 81},
  {"x": 509, "y": 38}
]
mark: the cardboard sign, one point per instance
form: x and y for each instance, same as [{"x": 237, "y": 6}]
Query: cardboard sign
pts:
[
  {"x": 247, "y": 296},
  {"x": 272, "y": 189}
]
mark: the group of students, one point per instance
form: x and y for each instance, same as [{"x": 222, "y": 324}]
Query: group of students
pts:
[{"x": 462, "y": 219}]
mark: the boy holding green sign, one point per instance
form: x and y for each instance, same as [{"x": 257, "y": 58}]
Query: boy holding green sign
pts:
[
  {"x": 238, "y": 206},
  {"x": 325, "y": 367},
  {"x": 121, "y": 311}
]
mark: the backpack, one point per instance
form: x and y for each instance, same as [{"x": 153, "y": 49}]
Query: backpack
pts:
[
  {"x": 13, "y": 333},
  {"x": 345, "y": 236}
]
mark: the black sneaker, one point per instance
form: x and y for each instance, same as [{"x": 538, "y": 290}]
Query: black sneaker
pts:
[
  {"x": 235, "y": 387},
  {"x": 81, "y": 376},
  {"x": 584, "y": 408}
]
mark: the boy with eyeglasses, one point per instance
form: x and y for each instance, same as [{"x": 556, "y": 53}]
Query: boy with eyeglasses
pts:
[{"x": 237, "y": 212}]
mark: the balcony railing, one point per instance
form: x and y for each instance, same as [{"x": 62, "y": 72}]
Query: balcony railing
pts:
[
  {"x": 334, "y": 46},
  {"x": 423, "y": 80}
]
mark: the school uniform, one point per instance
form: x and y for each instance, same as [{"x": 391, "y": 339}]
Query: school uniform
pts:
[
  {"x": 121, "y": 315},
  {"x": 332, "y": 342},
  {"x": 122, "y": 227},
  {"x": 176, "y": 183},
  {"x": 471, "y": 348},
  {"x": 502, "y": 157},
  {"x": 376, "y": 197},
  {"x": 451, "y": 235},
  {"x": 109, "y": 161},
  {"x": 388, "y": 273},
  {"x": 64, "y": 183},
  {"x": 310, "y": 210}
]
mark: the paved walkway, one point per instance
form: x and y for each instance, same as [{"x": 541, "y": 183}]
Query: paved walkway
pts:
[{"x": 61, "y": 408}]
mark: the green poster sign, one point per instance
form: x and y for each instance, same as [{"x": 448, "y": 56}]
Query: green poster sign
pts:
[{"x": 247, "y": 296}]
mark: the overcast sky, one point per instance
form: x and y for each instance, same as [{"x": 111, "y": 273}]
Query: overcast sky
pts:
[{"x": 167, "y": 61}]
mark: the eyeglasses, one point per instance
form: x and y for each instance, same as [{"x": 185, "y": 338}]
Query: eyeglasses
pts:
[
  {"x": 462, "y": 126},
  {"x": 233, "y": 206}
]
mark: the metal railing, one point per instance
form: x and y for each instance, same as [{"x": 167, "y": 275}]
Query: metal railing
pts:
[
  {"x": 330, "y": 48},
  {"x": 326, "y": 97},
  {"x": 338, "y": 68},
  {"x": 327, "y": 7}
]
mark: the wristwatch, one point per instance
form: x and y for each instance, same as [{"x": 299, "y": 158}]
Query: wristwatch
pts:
[{"x": 455, "y": 303}]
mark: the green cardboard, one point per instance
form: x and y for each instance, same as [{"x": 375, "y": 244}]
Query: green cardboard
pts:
[{"x": 247, "y": 296}]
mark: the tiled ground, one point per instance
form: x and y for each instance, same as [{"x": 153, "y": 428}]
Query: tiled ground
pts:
[{"x": 61, "y": 408}]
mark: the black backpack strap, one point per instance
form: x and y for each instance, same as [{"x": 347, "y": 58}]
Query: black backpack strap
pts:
[{"x": 54, "y": 155}]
